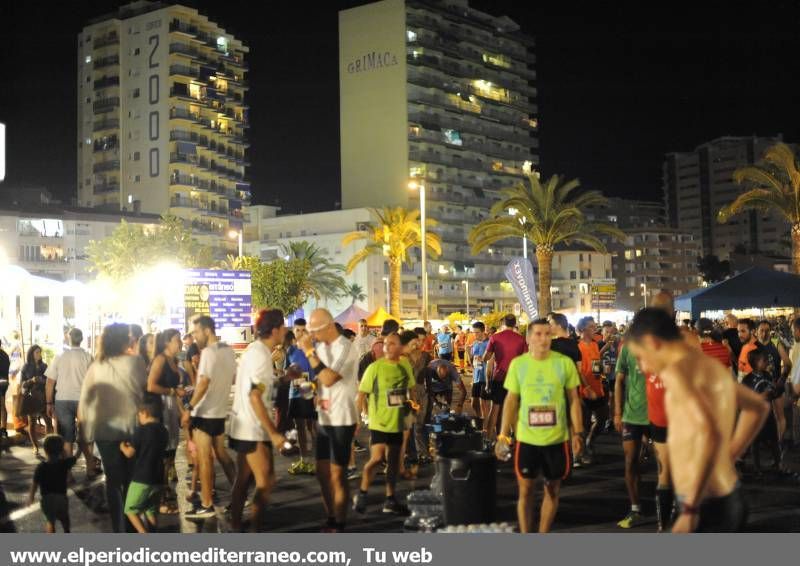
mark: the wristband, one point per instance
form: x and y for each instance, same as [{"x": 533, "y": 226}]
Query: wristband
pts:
[
  {"x": 504, "y": 438},
  {"x": 319, "y": 367},
  {"x": 580, "y": 433},
  {"x": 689, "y": 510},
  {"x": 311, "y": 352}
]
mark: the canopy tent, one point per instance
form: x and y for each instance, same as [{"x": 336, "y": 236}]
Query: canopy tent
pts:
[
  {"x": 380, "y": 316},
  {"x": 350, "y": 316},
  {"x": 755, "y": 288}
]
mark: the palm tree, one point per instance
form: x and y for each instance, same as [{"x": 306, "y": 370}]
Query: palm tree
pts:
[
  {"x": 325, "y": 280},
  {"x": 395, "y": 231},
  {"x": 773, "y": 184},
  {"x": 356, "y": 292},
  {"x": 548, "y": 214}
]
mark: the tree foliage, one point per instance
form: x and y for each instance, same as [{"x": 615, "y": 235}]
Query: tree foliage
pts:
[
  {"x": 712, "y": 269},
  {"x": 278, "y": 284},
  {"x": 356, "y": 293},
  {"x": 132, "y": 248},
  {"x": 324, "y": 279}
]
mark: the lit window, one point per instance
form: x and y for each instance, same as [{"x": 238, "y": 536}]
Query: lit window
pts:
[
  {"x": 638, "y": 253},
  {"x": 412, "y": 36},
  {"x": 413, "y": 130},
  {"x": 497, "y": 165},
  {"x": 88, "y": 141},
  {"x": 88, "y": 59},
  {"x": 497, "y": 60},
  {"x": 416, "y": 172}
]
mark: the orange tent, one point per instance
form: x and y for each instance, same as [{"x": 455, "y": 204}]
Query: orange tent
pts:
[{"x": 380, "y": 316}]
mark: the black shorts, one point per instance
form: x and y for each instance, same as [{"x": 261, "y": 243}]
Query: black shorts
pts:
[
  {"x": 498, "y": 392},
  {"x": 590, "y": 405},
  {"x": 479, "y": 390},
  {"x": 388, "y": 438},
  {"x": 634, "y": 432},
  {"x": 212, "y": 427},
  {"x": 302, "y": 409},
  {"x": 334, "y": 443},
  {"x": 247, "y": 446},
  {"x": 552, "y": 461},
  {"x": 658, "y": 433},
  {"x": 723, "y": 514},
  {"x": 448, "y": 357}
]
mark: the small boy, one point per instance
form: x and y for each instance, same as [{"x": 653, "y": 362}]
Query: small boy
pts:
[
  {"x": 149, "y": 442},
  {"x": 760, "y": 381},
  {"x": 50, "y": 477}
]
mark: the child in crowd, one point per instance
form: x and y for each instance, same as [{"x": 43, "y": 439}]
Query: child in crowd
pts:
[
  {"x": 760, "y": 381},
  {"x": 144, "y": 493},
  {"x": 50, "y": 477}
]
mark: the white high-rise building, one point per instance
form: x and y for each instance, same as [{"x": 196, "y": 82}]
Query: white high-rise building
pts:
[
  {"x": 162, "y": 117},
  {"x": 441, "y": 94}
]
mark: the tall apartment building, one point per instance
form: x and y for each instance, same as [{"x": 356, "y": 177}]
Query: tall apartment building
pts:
[
  {"x": 162, "y": 117},
  {"x": 441, "y": 94},
  {"x": 629, "y": 213},
  {"x": 699, "y": 183},
  {"x": 575, "y": 274},
  {"x": 655, "y": 259}
]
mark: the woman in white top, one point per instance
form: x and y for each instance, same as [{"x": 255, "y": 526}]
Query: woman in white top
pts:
[
  {"x": 252, "y": 432},
  {"x": 110, "y": 396}
]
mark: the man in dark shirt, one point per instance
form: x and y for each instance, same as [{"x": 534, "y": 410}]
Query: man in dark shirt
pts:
[
  {"x": 5, "y": 364},
  {"x": 503, "y": 347},
  {"x": 562, "y": 342},
  {"x": 149, "y": 443},
  {"x": 731, "y": 336}
]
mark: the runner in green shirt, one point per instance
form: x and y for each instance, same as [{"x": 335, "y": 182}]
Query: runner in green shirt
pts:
[
  {"x": 630, "y": 419},
  {"x": 540, "y": 383},
  {"x": 385, "y": 395}
]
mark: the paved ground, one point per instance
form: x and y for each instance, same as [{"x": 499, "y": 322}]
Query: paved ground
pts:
[{"x": 593, "y": 498}]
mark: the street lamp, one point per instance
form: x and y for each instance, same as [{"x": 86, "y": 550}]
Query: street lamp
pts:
[
  {"x": 466, "y": 284},
  {"x": 237, "y": 234},
  {"x": 522, "y": 220},
  {"x": 388, "y": 306},
  {"x": 643, "y": 286},
  {"x": 413, "y": 185}
]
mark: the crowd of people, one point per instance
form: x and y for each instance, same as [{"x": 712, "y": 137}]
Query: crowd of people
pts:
[{"x": 694, "y": 395}]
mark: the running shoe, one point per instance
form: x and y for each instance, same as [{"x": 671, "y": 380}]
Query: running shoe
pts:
[
  {"x": 309, "y": 469},
  {"x": 353, "y": 473},
  {"x": 358, "y": 447},
  {"x": 576, "y": 463},
  {"x": 200, "y": 512},
  {"x": 297, "y": 468},
  {"x": 632, "y": 520},
  {"x": 394, "y": 507},
  {"x": 360, "y": 502}
]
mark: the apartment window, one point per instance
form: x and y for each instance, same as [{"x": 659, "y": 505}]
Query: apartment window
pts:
[
  {"x": 88, "y": 99},
  {"x": 88, "y": 59},
  {"x": 88, "y": 79},
  {"x": 638, "y": 253},
  {"x": 88, "y": 38},
  {"x": 88, "y": 141},
  {"x": 573, "y": 275},
  {"x": 136, "y": 93},
  {"x": 136, "y": 156},
  {"x": 136, "y": 51},
  {"x": 628, "y": 254},
  {"x": 411, "y": 36},
  {"x": 580, "y": 257}
]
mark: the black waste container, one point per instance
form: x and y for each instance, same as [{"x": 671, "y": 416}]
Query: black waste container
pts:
[{"x": 469, "y": 487}]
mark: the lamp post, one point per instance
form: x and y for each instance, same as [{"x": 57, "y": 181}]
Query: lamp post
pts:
[
  {"x": 466, "y": 284},
  {"x": 644, "y": 293},
  {"x": 413, "y": 185},
  {"x": 388, "y": 306},
  {"x": 522, "y": 220},
  {"x": 237, "y": 234}
]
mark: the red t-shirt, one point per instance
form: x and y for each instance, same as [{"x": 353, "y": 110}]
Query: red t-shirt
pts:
[
  {"x": 590, "y": 356},
  {"x": 506, "y": 346},
  {"x": 718, "y": 351},
  {"x": 428, "y": 342},
  {"x": 655, "y": 401}
]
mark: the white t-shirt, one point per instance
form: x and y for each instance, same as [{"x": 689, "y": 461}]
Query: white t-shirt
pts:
[
  {"x": 68, "y": 371},
  {"x": 363, "y": 344},
  {"x": 218, "y": 365},
  {"x": 337, "y": 404},
  {"x": 255, "y": 370},
  {"x": 795, "y": 375}
]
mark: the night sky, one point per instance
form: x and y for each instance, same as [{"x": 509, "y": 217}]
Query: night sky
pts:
[{"x": 619, "y": 85}]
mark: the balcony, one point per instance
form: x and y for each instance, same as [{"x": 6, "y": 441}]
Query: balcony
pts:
[
  {"x": 105, "y": 105},
  {"x": 180, "y": 202},
  {"x": 183, "y": 70},
  {"x": 185, "y": 180},
  {"x": 183, "y": 114},
  {"x": 103, "y": 166},
  {"x": 182, "y": 49},
  {"x": 207, "y": 228},
  {"x": 106, "y": 82},
  {"x": 110, "y": 39},
  {"x": 105, "y": 188},
  {"x": 107, "y": 145},
  {"x": 106, "y": 62},
  {"x": 176, "y": 157},
  {"x": 181, "y": 27},
  {"x": 112, "y": 124}
]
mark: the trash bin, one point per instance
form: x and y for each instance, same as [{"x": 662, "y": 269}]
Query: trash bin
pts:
[{"x": 469, "y": 488}]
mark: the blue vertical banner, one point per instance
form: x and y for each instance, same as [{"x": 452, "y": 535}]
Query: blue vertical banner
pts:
[
  {"x": 224, "y": 295},
  {"x": 519, "y": 273}
]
